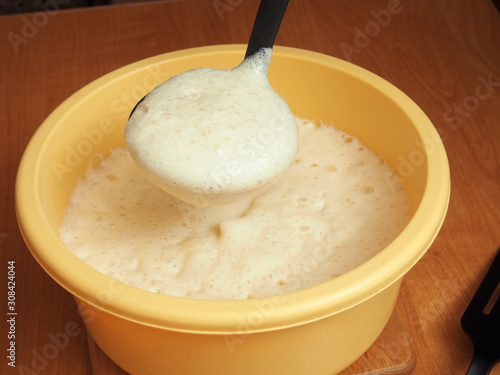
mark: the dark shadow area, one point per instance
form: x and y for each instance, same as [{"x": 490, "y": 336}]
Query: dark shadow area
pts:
[
  {"x": 26, "y": 6},
  {"x": 496, "y": 3}
]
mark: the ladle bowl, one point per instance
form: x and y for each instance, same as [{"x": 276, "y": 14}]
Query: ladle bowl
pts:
[{"x": 201, "y": 183}]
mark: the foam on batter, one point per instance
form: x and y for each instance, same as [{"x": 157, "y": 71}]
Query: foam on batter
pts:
[
  {"x": 216, "y": 132},
  {"x": 330, "y": 212}
]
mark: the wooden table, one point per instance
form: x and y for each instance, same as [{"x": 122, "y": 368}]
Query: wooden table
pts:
[{"x": 445, "y": 54}]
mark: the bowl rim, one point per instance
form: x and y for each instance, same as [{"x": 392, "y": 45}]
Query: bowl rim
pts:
[{"x": 237, "y": 316}]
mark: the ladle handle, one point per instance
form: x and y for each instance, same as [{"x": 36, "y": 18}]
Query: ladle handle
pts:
[{"x": 266, "y": 25}]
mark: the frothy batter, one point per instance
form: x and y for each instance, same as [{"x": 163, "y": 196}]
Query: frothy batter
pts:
[
  {"x": 330, "y": 212},
  {"x": 209, "y": 136}
]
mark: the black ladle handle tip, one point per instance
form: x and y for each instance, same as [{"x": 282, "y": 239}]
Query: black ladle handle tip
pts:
[
  {"x": 266, "y": 25},
  {"x": 265, "y": 28}
]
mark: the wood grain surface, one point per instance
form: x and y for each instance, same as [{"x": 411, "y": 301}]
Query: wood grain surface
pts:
[{"x": 445, "y": 54}]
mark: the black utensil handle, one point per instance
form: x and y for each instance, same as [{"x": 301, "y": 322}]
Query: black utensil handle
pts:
[
  {"x": 480, "y": 365},
  {"x": 266, "y": 25}
]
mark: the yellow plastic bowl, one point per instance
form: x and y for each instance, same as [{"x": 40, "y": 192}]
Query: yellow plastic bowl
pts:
[{"x": 319, "y": 330}]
